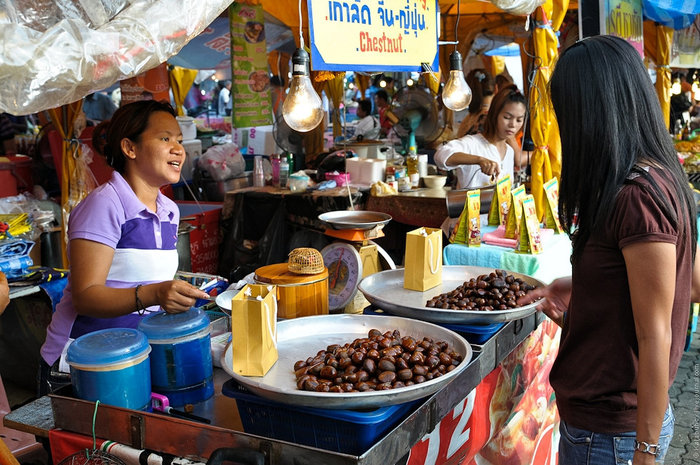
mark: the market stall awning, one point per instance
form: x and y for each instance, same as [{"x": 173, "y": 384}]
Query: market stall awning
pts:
[
  {"x": 212, "y": 48},
  {"x": 676, "y": 14}
]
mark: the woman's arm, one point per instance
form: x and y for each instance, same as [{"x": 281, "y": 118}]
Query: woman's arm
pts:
[
  {"x": 487, "y": 166},
  {"x": 695, "y": 290},
  {"x": 90, "y": 263},
  {"x": 556, "y": 299},
  {"x": 651, "y": 273},
  {"x": 4, "y": 292}
]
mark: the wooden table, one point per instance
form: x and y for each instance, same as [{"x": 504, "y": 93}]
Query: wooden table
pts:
[{"x": 420, "y": 207}]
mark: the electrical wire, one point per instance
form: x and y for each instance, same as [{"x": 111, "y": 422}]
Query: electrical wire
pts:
[
  {"x": 301, "y": 36},
  {"x": 457, "y": 25}
]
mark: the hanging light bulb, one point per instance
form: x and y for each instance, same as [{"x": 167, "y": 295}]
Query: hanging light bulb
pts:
[
  {"x": 456, "y": 94},
  {"x": 302, "y": 109}
]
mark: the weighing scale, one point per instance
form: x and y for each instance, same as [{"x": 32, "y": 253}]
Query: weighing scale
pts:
[{"x": 353, "y": 256}]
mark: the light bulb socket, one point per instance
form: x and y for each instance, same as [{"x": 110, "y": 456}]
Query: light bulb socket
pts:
[
  {"x": 300, "y": 63},
  {"x": 455, "y": 61}
]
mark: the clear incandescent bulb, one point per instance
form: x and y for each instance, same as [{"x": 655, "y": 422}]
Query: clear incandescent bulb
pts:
[
  {"x": 302, "y": 108},
  {"x": 456, "y": 94}
]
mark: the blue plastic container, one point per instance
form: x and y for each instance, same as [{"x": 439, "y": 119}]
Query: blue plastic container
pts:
[
  {"x": 181, "y": 366},
  {"x": 475, "y": 334},
  {"x": 112, "y": 366},
  {"x": 346, "y": 431}
]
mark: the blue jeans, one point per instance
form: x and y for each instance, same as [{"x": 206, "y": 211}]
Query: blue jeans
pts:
[{"x": 581, "y": 447}]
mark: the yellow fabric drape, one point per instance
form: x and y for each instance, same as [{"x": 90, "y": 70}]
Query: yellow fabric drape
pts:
[
  {"x": 546, "y": 159},
  {"x": 498, "y": 65},
  {"x": 664, "y": 38},
  {"x": 362, "y": 83},
  {"x": 73, "y": 185},
  {"x": 334, "y": 89},
  {"x": 181, "y": 79}
]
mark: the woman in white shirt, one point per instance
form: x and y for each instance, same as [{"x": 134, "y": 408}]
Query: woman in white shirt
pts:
[{"x": 479, "y": 159}]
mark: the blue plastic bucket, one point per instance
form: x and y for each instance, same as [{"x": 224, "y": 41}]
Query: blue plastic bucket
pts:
[
  {"x": 181, "y": 366},
  {"x": 112, "y": 366}
]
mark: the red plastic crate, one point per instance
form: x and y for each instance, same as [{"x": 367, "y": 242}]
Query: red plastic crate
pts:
[{"x": 204, "y": 239}]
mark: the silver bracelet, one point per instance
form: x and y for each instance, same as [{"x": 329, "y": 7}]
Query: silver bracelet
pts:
[{"x": 646, "y": 448}]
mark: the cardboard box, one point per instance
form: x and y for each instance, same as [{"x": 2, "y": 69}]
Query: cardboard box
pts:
[{"x": 258, "y": 140}]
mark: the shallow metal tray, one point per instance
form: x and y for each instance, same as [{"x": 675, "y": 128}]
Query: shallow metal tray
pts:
[
  {"x": 300, "y": 338},
  {"x": 385, "y": 290},
  {"x": 358, "y": 219}
]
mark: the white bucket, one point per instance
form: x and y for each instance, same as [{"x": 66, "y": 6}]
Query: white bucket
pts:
[{"x": 187, "y": 126}]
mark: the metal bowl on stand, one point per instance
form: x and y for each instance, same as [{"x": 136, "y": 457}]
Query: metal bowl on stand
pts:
[{"x": 358, "y": 219}]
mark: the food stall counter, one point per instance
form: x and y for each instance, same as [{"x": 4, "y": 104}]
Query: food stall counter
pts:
[{"x": 424, "y": 427}]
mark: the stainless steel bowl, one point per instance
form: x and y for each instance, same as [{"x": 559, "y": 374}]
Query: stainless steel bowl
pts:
[
  {"x": 385, "y": 290},
  {"x": 300, "y": 338},
  {"x": 358, "y": 219}
]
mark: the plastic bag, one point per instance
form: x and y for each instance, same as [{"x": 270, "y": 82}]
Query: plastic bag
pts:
[{"x": 222, "y": 162}]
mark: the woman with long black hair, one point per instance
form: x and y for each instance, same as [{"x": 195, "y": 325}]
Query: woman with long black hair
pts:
[{"x": 632, "y": 219}]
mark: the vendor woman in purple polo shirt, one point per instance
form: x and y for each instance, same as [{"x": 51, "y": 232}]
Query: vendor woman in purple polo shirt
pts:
[{"x": 123, "y": 236}]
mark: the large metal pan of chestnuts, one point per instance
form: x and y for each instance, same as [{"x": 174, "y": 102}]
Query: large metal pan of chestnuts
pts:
[
  {"x": 303, "y": 338},
  {"x": 385, "y": 290}
]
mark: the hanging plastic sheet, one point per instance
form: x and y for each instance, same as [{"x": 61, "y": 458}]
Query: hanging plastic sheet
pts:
[{"x": 57, "y": 54}]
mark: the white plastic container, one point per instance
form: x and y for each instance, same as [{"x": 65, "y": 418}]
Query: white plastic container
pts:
[
  {"x": 365, "y": 171},
  {"x": 187, "y": 126},
  {"x": 193, "y": 148}
]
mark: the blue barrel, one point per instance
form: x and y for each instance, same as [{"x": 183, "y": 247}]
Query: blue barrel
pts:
[
  {"x": 112, "y": 366},
  {"x": 181, "y": 366}
]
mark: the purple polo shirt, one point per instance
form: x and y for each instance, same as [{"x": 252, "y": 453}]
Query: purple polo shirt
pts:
[{"x": 145, "y": 252}]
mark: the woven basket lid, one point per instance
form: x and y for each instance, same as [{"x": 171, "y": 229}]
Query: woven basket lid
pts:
[{"x": 305, "y": 260}]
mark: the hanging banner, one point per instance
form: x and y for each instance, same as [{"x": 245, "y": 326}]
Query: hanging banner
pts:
[
  {"x": 391, "y": 35},
  {"x": 151, "y": 85},
  {"x": 509, "y": 418},
  {"x": 685, "y": 52},
  {"x": 623, "y": 18},
  {"x": 250, "y": 84}
]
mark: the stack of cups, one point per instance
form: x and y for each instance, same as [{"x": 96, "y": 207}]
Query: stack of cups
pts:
[{"x": 258, "y": 174}]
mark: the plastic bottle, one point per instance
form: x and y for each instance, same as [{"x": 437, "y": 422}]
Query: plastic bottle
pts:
[
  {"x": 412, "y": 169},
  {"x": 275, "y": 162},
  {"x": 258, "y": 173},
  {"x": 685, "y": 134},
  {"x": 284, "y": 173},
  {"x": 678, "y": 130}
]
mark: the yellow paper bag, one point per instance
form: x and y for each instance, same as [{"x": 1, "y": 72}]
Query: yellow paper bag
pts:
[
  {"x": 529, "y": 241},
  {"x": 423, "y": 259},
  {"x": 551, "y": 191},
  {"x": 515, "y": 212},
  {"x": 500, "y": 204},
  {"x": 468, "y": 227},
  {"x": 254, "y": 329}
]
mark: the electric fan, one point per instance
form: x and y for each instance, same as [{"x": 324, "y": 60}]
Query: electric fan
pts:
[{"x": 415, "y": 116}]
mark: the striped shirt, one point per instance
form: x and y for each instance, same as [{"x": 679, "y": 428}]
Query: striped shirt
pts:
[{"x": 145, "y": 252}]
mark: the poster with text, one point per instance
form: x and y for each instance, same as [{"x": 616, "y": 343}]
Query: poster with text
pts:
[
  {"x": 623, "y": 18},
  {"x": 391, "y": 35},
  {"x": 250, "y": 86}
]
